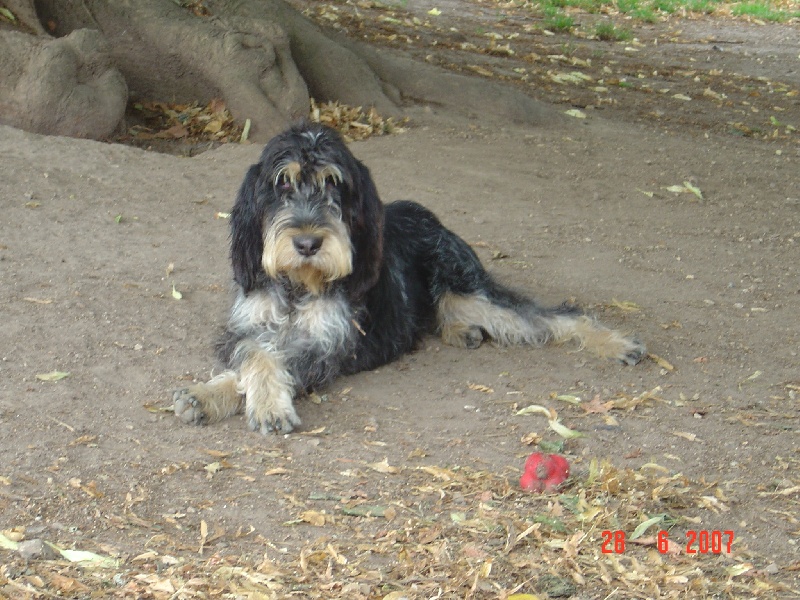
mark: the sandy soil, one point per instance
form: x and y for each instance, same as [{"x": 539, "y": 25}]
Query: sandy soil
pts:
[{"x": 94, "y": 237}]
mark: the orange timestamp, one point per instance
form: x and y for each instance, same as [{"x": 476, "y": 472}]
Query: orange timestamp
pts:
[{"x": 697, "y": 542}]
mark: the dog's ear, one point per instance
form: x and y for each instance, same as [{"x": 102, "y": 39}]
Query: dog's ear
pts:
[
  {"x": 366, "y": 233},
  {"x": 247, "y": 236}
]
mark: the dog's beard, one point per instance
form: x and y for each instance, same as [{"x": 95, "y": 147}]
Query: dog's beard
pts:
[{"x": 333, "y": 260}]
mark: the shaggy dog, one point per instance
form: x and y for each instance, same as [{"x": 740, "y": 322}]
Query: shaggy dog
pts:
[{"x": 330, "y": 281}]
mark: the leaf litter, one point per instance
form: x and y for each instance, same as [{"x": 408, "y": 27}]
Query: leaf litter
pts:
[
  {"x": 431, "y": 531},
  {"x": 429, "y": 554},
  {"x": 213, "y": 123}
]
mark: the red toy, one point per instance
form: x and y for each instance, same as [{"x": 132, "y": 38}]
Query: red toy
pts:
[{"x": 544, "y": 472}]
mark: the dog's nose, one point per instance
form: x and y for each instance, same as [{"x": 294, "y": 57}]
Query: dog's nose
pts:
[{"x": 307, "y": 245}]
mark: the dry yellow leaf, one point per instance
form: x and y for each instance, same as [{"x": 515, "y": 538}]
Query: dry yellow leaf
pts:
[
  {"x": 312, "y": 517},
  {"x": 663, "y": 363},
  {"x": 383, "y": 467},
  {"x": 480, "y": 388}
]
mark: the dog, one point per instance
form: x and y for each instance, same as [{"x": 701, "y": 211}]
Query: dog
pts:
[{"x": 330, "y": 281}]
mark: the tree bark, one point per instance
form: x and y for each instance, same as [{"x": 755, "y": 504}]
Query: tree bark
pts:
[{"x": 262, "y": 57}]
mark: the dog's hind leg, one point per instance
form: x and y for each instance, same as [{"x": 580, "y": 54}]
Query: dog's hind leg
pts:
[
  {"x": 471, "y": 306},
  {"x": 465, "y": 319}
]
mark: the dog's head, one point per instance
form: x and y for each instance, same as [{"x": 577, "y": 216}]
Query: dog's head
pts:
[{"x": 309, "y": 213}]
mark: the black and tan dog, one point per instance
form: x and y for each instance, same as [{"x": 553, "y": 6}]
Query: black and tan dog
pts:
[{"x": 330, "y": 281}]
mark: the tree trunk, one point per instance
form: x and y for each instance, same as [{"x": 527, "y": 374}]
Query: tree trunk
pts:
[{"x": 262, "y": 57}]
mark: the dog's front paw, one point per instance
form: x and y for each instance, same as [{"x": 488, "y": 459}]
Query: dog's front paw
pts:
[
  {"x": 273, "y": 413},
  {"x": 205, "y": 403}
]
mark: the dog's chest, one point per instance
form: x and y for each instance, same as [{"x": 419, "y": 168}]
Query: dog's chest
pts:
[{"x": 322, "y": 324}]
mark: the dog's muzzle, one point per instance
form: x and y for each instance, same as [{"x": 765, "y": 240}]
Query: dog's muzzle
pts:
[{"x": 307, "y": 244}]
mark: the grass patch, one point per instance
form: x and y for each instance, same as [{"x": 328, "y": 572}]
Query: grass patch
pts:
[
  {"x": 762, "y": 11},
  {"x": 609, "y": 32},
  {"x": 651, "y": 11},
  {"x": 703, "y": 7},
  {"x": 556, "y": 20}
]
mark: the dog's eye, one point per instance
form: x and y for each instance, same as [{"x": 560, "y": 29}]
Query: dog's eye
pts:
[
  {"x": 283, "y": 184},
  {"x": 331, "y": 182},
  {"x": 335, "y": 210}
]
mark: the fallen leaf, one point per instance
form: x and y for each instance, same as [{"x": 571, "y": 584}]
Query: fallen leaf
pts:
[
  {"x": 399, "y": 595},
  {"x": 245, "y": 131},
  {"x": 277, "y": 471},
  {"x": 694, "y": 189},
  {"x": 531, "y": 439},
  {"x": 597, "y": 407},
  {"x": 664, "y": 364},
  {"x": 785, "y": 492},
  {"x": 67, "y": 585},
  {"x": 645, "y": 525},
  {"x": 203, "y": 535},
  {"x": 625, "y": 306},
  {"x": 673, "y": 547},
  {"x": 480, "y": 388},
  {"x": 563, "y": 430},
  {"x": 84, "y": 439},
  {"x": 365, "y": 510},
  {"x": 740, "y": 569},
  {"x": 175, "y": 293},
  {"x": 213, "y": 126},
  {"x": 438, "y": 472},
  {"x": 215, "y": 467},
  {"x": 480, "y": 70},
  {"x": 537, "y": 409},
  {"x": 88, "y": 558},
  {"x": 383, "y": 467},
  {"x": 318, "y": 430},
  {"x": 39, "y": 300},
  {"x": 217, "y": 453},
  {"x": 7, "y": 544},
  {"x": 709, "y": 93},
  {"x": 312, "y": 517},
  {"x": 576, "y": 400},
  {"x": 434, "y": 12},
  {"x": 575, "y": 113},
  {"x": 750, "y": 379},
  {"x": 552, "y": 420},
  {"x": 685, "y": 188},
  {"x": 52, "y": 376},
  {"x": 176, "y": 132},
  {"x": 692, "y": 437}
]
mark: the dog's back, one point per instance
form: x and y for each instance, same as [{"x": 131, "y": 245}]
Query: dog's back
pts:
[{"x": 432, "y": 281}]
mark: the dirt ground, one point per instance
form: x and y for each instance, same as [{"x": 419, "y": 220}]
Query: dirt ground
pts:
[{"x": 96, "y": 237}]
